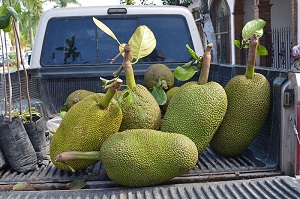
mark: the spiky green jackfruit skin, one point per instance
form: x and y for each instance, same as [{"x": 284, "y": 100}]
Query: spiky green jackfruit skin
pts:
[
  {"x": 143, "y": 113},
  {"x": 196, "y": 111},
  {"x": 75, "y": 97},
  {"x": 145, "y": 157},
  {"x": 170, "y": 93},
  {"x": 156, "y": 72},
  {"x": 248, "y": 109},
  {"x": 84, "y": 128}
]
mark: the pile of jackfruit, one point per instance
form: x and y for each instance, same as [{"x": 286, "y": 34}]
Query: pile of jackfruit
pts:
[{"x": 142, "y": 143}]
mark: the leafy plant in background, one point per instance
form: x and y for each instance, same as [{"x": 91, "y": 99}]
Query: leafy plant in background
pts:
[
  {"x": 7, "y": 13},
  {"x": 8, "y": 18},
  {"x": 185, "y": 3},
  {"x": 253, "y": 27},
  {"x": 25, "y": 115}
]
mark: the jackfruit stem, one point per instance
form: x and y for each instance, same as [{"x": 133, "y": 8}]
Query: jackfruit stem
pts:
[
  {"x": 117, "y": 73},
  {"x": 203, "y": 79},
  {"x": 77, "y": 155},
  {"x": 112, "y": 89},
  {"x": 130, "y": 81},
  {"x": 164, "y": 84},
  {"x": 253, "y": 43}
]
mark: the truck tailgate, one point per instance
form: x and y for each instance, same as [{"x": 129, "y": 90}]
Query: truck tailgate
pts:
[{"x": 269, "y": 187}]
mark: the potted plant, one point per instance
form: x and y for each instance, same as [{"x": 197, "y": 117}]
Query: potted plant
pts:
[
  {"x": 14, "y": 140},
  {"x": 36, "y": 130}
]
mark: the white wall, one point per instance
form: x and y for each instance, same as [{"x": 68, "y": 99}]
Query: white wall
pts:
[
  {"x": 281, "y": 13},
  {"x": 248, "y": 10}
]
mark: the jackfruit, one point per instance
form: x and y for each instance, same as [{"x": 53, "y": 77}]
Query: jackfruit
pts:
[
  {"x": 198, "y": 108},
  {"x": 170, "y": 93},
  {"x": 145, "y": 157},
  {"x": 75, "y": 97},
  {"x": 248, "y": 108},
  {"x": 144, "y": 111},
  {"x": 156, "y": 72},
  {"x": 85, "y": 126}
]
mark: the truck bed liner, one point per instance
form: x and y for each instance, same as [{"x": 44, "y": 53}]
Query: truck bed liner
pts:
[{"x": 208, "y": 164}]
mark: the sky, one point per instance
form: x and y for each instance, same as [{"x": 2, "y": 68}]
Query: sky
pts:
[{"x": 96, "y": 3}]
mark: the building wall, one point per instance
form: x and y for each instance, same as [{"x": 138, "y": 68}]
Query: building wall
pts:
[
  {"x": 284, "y": 13},
  {"x": 230, "y": 4},
  {"x": 297, "y": 10}
]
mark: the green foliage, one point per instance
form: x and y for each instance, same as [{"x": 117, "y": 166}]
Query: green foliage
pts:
[
  {"x": 185, "y": 3},
  {"x": 63, "y": 3},
  {"x": 159, "y": 93},
  {"x": 188, "y": 70},
  {"x": 253, "y": 27},
  {"x": 129, "y": 2},
  {"x": 6, "y": 15},
  {"x": 25, "y": 115}
]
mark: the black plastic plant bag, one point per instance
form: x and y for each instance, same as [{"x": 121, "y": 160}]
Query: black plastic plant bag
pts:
[
  {"x": 36, "y": 132},
  {"x": 16, "y": 146},
  {"x": 2, "y": 159}
]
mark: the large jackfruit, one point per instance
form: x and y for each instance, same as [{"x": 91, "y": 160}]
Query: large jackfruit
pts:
[
  {"x": 85, "y": 126},
  {"x": 197, "y": 109},
  {"x": 144, "y": 111},
  {"x": 249, "y": 98},
  {"x": 144, "y": 157},
  {"x": 75, "y": 97}
]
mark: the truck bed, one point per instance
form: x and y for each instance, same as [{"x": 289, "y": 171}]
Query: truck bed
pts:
[{"x": 253, "y": 174}]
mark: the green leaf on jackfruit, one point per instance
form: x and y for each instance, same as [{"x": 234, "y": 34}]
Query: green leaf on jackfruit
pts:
[
  {"x": 254, "y": 26},
  {"x": 142, "y": 42},
  {"x": 261, "y": 50},
  {"x": 192, "y": 52},
  {"x": 105, "y": 29},
  {"x": 183, "y": 73},
  {"x": 237, "y": 43},
  {"x": 159, "y": 93}
]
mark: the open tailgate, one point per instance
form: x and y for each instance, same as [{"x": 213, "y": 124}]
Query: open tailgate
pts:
[{"x": 269, "y": 187}]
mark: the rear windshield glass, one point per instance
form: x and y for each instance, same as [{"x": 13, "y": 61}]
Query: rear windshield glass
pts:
[{"x": 71, "y": 41}]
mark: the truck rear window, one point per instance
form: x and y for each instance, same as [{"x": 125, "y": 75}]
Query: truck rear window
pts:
[{"x": 77, "y": 40}]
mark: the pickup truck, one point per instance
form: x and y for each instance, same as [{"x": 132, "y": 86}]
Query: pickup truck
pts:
[{"x": 71, "y": 53}]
